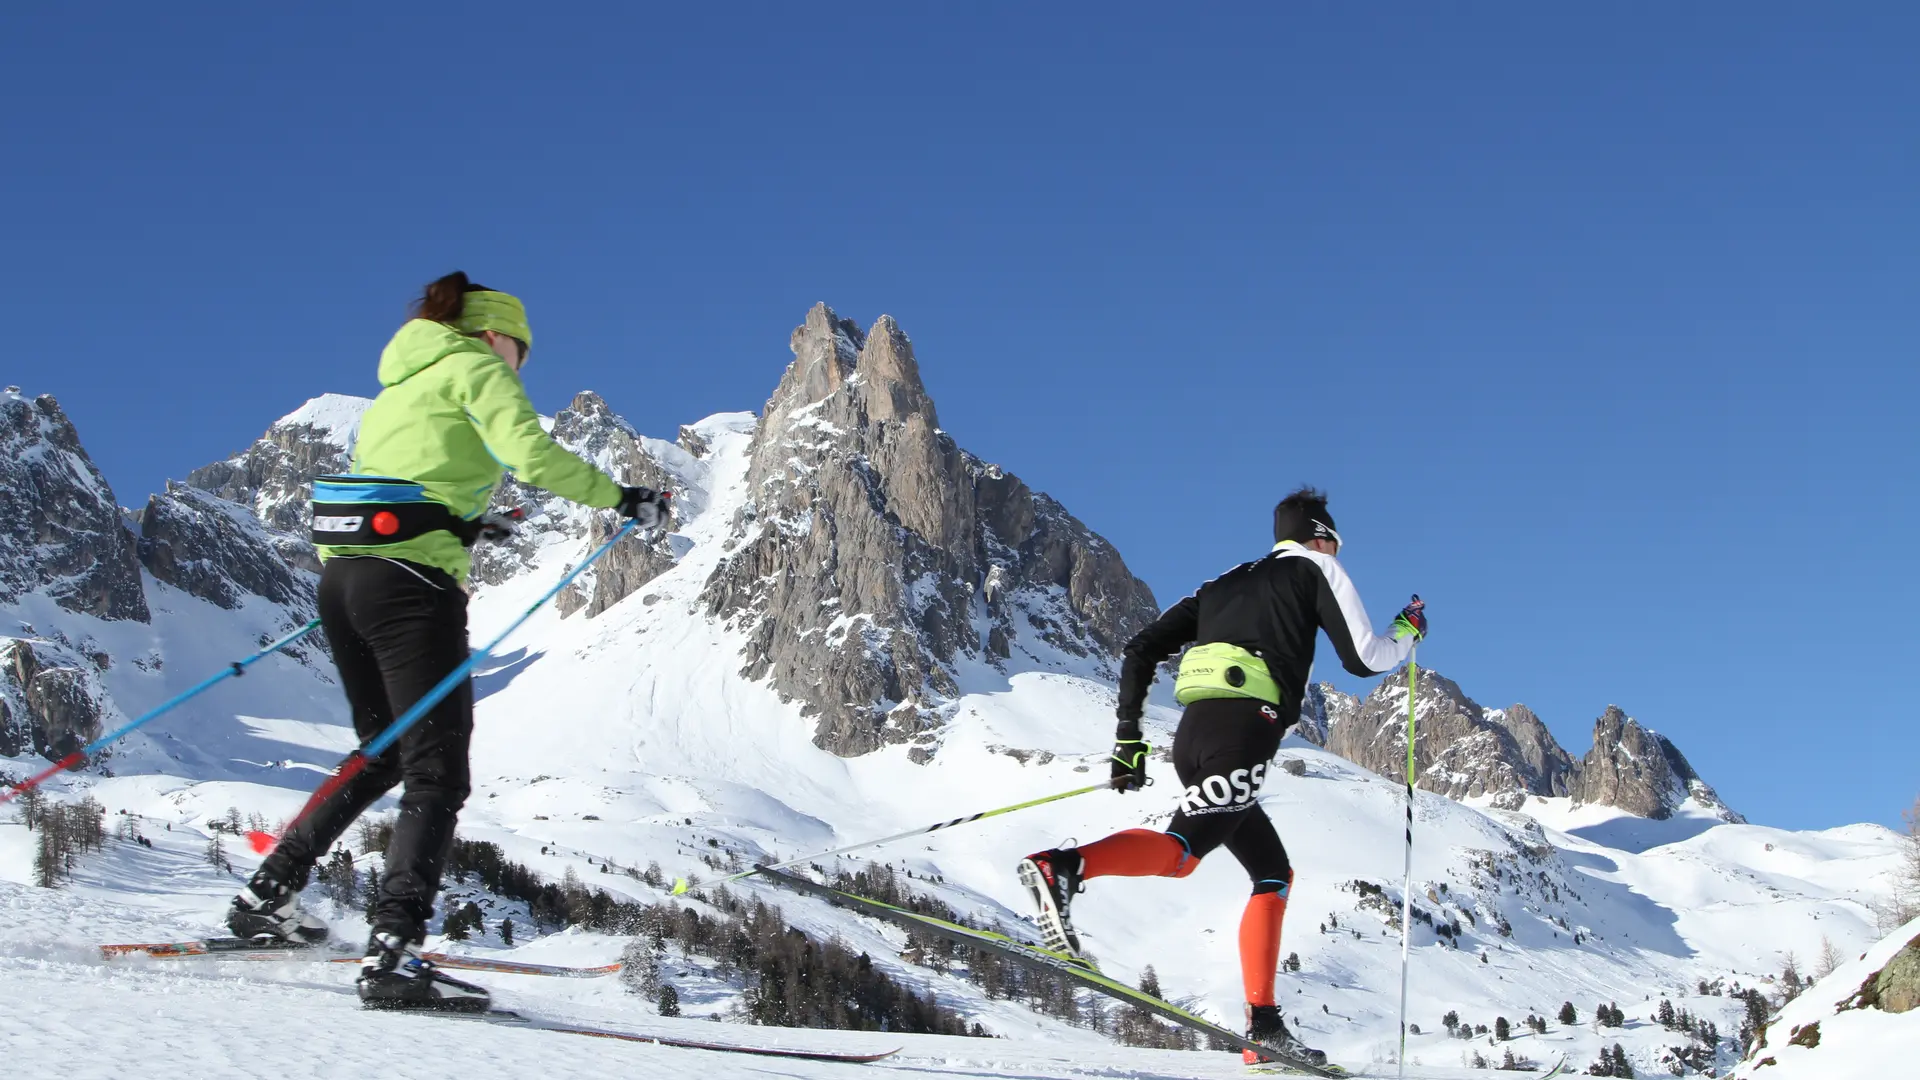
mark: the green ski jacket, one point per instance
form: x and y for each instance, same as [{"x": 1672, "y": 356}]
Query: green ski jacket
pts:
[{"x": 454, "y": 418}]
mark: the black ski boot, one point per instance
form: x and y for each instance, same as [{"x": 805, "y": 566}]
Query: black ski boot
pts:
[
  {"x": 1265, "y": 1027},
  {"x": 268, "y": 912},
  {"x": 393, "y": 976},
  {"x": 1053, "y": 876}
]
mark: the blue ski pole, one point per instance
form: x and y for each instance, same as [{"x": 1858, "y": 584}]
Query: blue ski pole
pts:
[
  {"x": 357, "y": 761},
  {"x": 80, "y": 756}
]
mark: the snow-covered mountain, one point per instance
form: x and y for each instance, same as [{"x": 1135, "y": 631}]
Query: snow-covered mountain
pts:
[{"x": 854, "y": 628}]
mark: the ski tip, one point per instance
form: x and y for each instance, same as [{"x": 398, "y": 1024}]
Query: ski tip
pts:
[{"x": 261, "y": 842}]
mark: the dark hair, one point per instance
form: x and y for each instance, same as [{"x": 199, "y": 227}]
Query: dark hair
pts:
[
  {"x": 444, "y": 298},
  {"x": 1294, "y": 517}
]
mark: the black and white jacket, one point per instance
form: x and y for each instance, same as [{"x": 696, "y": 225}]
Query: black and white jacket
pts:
[{"x": 1272, "y": 607}]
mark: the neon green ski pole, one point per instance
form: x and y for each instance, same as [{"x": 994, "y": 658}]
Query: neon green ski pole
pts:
[
  {"x": 680, "y": 884},
  {"x": 1406, "y": 891}
]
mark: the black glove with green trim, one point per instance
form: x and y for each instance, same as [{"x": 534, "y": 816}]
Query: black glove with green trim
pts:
[{"x": 1129, "y": 758}]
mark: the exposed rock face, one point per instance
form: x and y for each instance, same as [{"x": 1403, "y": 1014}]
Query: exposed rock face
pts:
[
  {"x": 592, "y": 430},
  {"x": 1547, "y": 767},
  {"x": 218, "y": 551},
  {"x": 274, "y": 476},
  {"x": 1639, "y": 771},
  {"x": 874, "y": 553},
  {"x": 1896, "y": 987},
  {"x": 60, "y": 527},
  {"x": 1461, "y": 750},
  {"x": 1465, "y": 751},
  {"x": 49, "y": 709}
]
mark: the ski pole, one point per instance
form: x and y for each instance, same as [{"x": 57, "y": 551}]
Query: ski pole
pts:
[
  {"x": 356, "y": 762},
  {"x": 680, "y": 884},
  {"x": 1406, "y": 892},
  {"x": 79, "y": 757}
]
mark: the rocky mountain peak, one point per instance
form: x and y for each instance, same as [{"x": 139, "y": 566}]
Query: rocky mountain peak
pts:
[
  {"x": 274, "y": 476},
  {"x": 1640, "y": 771},
  {"x": 60, "y": 527},
  {"x": 895, "y": 392},
  {"x": 826, "y": 348},
  {"x": 873, "y": 554},
  {"x": 1463, "y": 750}
]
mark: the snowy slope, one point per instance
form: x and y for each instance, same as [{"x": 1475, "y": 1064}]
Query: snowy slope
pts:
[
  {"x": 631, "y": 736},
  {"x": 1825, "y": 1033}
]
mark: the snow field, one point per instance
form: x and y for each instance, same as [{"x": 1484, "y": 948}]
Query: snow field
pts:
[{"x": 632, "y": 737}]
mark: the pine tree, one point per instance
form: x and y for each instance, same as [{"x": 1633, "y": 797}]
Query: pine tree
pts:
[
  {"x": 1621, "y": 1067},
  {"x": 1664, "y": 1014},
  {"x": 1501, "y": 1029},
  {"x": 47, "y": 861},
  {"x": 371, "y": 894},
  {"x": 216, "y": 855},
  {"x": 669, "y": 1000},
  {"x": 1568, "y": 1016},
  {"x": 1451, "y": 1021},
  {"x": 506, "y": 932}
]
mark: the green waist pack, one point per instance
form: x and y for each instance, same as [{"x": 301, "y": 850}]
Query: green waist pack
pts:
[{"x": 1220, "y": 670}]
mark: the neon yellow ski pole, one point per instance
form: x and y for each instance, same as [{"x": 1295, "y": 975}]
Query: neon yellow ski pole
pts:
[
  {"x": 680, "y": 884},
  {"x": 1406, "y": 891}
]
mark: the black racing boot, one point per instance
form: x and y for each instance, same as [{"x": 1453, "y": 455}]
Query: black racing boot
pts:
[
  {"x": 1265, "y": 1027},
  {"x": 268, "y": 912},
  {"x": 393, "y": 976},
  {"x": 1053, "y": 876}
]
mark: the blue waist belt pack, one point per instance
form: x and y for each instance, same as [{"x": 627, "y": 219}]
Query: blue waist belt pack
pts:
[{"x": 368, "y": 511}]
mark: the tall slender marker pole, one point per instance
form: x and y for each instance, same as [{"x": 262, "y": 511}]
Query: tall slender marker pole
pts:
[{"x": 1406, "y": 890}]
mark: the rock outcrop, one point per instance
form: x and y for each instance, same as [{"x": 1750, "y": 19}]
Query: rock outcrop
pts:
[
  {"x": 1465, "y": 751},
  {"x": 874, "y": 554},
  {"x": 1639, "y": 771},
  {"x": 274, "y": 476},
  {"x": 47, "y": 707},
  {"x": 60, "y": 528},
  {"x": 1462, "y": 750},
  {"x": 218, "y": 551}
]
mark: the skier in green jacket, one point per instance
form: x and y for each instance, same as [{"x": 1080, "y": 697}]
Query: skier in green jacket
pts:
[{"x": 451, "y": 419}]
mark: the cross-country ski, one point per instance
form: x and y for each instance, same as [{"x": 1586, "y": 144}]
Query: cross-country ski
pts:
[{"x": 240, "y": 949}]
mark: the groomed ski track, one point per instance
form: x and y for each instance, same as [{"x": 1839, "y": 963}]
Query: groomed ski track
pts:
[{"x": 64, "y": 1014}]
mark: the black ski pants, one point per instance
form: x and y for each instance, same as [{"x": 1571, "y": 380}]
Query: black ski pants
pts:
[
  {"x": 1221, "y": 752},
  {"x": 397, "y": 628}
]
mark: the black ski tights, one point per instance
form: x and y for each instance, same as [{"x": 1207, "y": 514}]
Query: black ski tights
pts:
[{"x": 397, "y": 629}]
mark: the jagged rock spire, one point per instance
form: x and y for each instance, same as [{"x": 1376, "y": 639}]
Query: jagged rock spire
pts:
[{"x": 874, "y": 552}]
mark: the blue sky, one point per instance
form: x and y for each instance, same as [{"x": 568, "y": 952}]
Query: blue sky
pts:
[{"x": 1598, "y": 325}]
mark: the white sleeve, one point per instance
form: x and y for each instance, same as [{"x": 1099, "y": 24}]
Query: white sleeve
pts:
[{"x": 1344, "y": 618}]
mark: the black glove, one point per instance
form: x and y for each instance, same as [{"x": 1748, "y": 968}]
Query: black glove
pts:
[
  {"x": 1129, "y": 758},
  {"x": 499, "y": 525},
  {"x": 1411, "y": 620},
  {"x": 647, "y": 507}
]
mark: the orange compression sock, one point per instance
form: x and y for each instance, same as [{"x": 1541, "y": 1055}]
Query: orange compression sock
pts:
[
  {"x": 1137, "y": 853},
  {"x": 1260, "y": 945}
]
